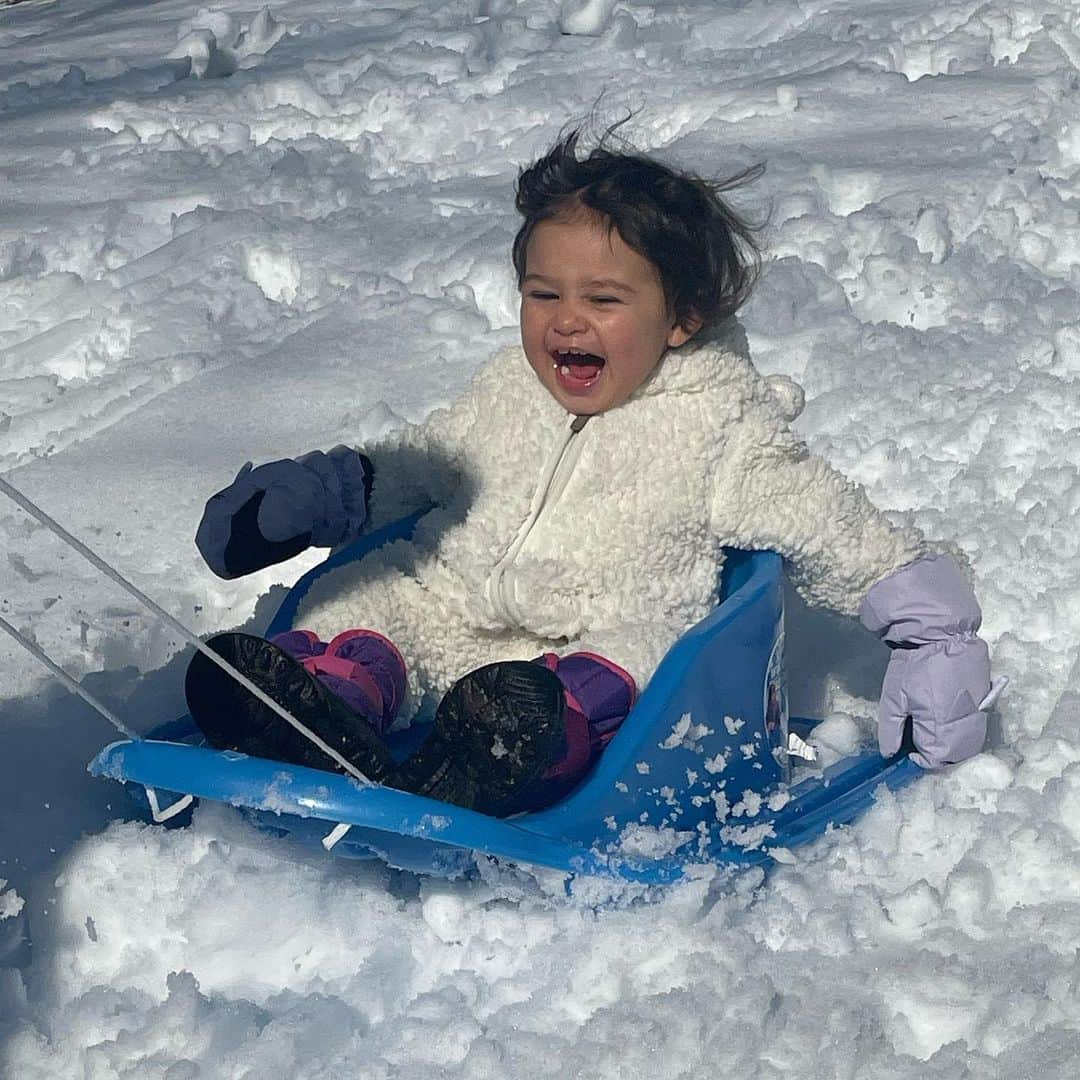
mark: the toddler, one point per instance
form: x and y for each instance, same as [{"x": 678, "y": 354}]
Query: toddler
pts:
[{"x": 578, "y": 499}]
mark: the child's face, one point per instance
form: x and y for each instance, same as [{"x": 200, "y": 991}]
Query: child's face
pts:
[{"x": 590, "y": 294}]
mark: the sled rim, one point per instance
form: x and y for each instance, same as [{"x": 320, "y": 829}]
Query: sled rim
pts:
[{"x": 840, "y": 793}]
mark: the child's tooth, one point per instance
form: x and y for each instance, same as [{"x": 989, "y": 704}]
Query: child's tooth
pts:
[{"x": 565, "y": 369}]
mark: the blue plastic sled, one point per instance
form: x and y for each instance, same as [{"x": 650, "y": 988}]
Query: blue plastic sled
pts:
[{"x": 698, "y": 773}]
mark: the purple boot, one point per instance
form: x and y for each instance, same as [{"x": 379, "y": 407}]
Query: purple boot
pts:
[
  {"x": 361, "y": 667},
  {"x": 599, "y": 696}
]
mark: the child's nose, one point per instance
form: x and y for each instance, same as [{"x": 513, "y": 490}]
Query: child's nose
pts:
[{"x": 568, "y": 318}]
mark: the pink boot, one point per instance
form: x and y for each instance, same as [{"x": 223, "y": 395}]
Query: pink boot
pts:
[
  {"x": 599, "y": 696},
  {"x": 361, "y": 667}
]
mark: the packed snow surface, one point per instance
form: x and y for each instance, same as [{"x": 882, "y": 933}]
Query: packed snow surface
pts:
[{"x": 231, "y": 233}]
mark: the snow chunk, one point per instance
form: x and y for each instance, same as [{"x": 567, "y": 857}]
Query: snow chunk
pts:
[
  {"x": 747, "y": 837},
  {"x": 11, "y": 903},
  {"x": 263, "y": 32},
  {"x": 932, "y": 233},
  {"x": 687, "y": 734},
  {"x": 586, "y": 17},
  {"x": 207, "y": 59},
  {"x": 837, "y": 736},
  {"x": 430, "y": 823},
  {"x": 787, "y": 97},
  {"x": 749, "y": 805},
  {"x": 979, "y": 782},
  {"x": 784, "y": 856},
  {"x": 927, "y": 1014},
  {"x": 216, "y": 48},
  {"x": 969, "y": 895},
  {"x": 913, "y": 909},
  {"x": 649, "y": 842},
  {"x": 275, "y": 798},
  {"x": 778, "y": 800},
  {"x": 276, "y": 272},
  {"x": 444, "y": 912}
]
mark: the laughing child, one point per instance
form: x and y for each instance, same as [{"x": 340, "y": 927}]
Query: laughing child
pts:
[{"x": 578, "y": 497}]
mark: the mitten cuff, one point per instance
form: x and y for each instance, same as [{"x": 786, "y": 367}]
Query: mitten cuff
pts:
[{"x": 928, "y": 600}]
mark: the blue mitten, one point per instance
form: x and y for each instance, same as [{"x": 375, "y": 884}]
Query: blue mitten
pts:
[
  {"x": 939, "y": 672},
  {"x": 271, "y": 513}
]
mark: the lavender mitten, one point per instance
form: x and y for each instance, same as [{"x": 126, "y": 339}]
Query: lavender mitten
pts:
[{"x": 939, "y": 671}]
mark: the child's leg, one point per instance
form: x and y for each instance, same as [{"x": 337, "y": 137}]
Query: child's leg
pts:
[
  {"x": 496, "y": 730},
  {"x": 429, "y": 628},
  {"x": 510, "y": 736},
  {"x": 513, "y": 734},
  {"x": 599, "y": 696}
]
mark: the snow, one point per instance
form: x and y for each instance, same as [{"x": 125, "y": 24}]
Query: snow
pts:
[
  {"x": 11, "y": 903},
  {"x": 651, "y": 841},
  {"x": 686, "y": 734},
  {"x": 585, "y": 16},
  {"x": 233, "y": 233}
]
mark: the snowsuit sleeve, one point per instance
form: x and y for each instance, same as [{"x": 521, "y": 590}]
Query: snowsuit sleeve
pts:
[
  {"x": 772, "y": 492},
  {"x": 418, "y": 466}
]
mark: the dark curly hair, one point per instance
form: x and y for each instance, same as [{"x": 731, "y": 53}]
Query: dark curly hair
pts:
[{"x": 704, "y": 252}]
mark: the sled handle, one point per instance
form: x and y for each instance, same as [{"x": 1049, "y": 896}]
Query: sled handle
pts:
[
  {"x": 177, "y": 807},
  {"x": 334, "y": 835}
]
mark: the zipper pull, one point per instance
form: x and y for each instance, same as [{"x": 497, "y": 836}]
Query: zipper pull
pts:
[{"x": 578, "y": 423}]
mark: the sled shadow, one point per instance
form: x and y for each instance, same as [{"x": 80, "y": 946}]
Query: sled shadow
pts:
[
  {"x": 48, "y": 801},
  {"x": 822, "y": 647}
]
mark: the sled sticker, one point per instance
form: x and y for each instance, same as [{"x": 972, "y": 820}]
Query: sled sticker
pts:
[{"x": 775, "y": 705}]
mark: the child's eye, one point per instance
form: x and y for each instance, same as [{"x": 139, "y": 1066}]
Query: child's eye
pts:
[
  {"x": 605, "y": 300},
  {"x": 542, "y": 295}
]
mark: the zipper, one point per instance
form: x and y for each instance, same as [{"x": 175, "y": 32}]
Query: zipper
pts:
[{"x": 553, "y": 480}]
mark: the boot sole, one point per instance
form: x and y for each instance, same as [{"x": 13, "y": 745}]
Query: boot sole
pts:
[
  {"x": 232, "y": 718},
  {"x": 496, "y": 732}
]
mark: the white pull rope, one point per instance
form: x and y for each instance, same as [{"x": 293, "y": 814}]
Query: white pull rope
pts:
[
  {"x": 68, "y": 681},
  {"x": 36, "y": 512}
]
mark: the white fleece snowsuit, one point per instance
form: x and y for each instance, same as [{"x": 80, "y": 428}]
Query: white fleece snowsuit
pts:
[{"x": 551, "y": 536}]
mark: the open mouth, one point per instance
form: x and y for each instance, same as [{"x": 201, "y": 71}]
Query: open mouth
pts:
[{"x": 577, "y": 370}]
